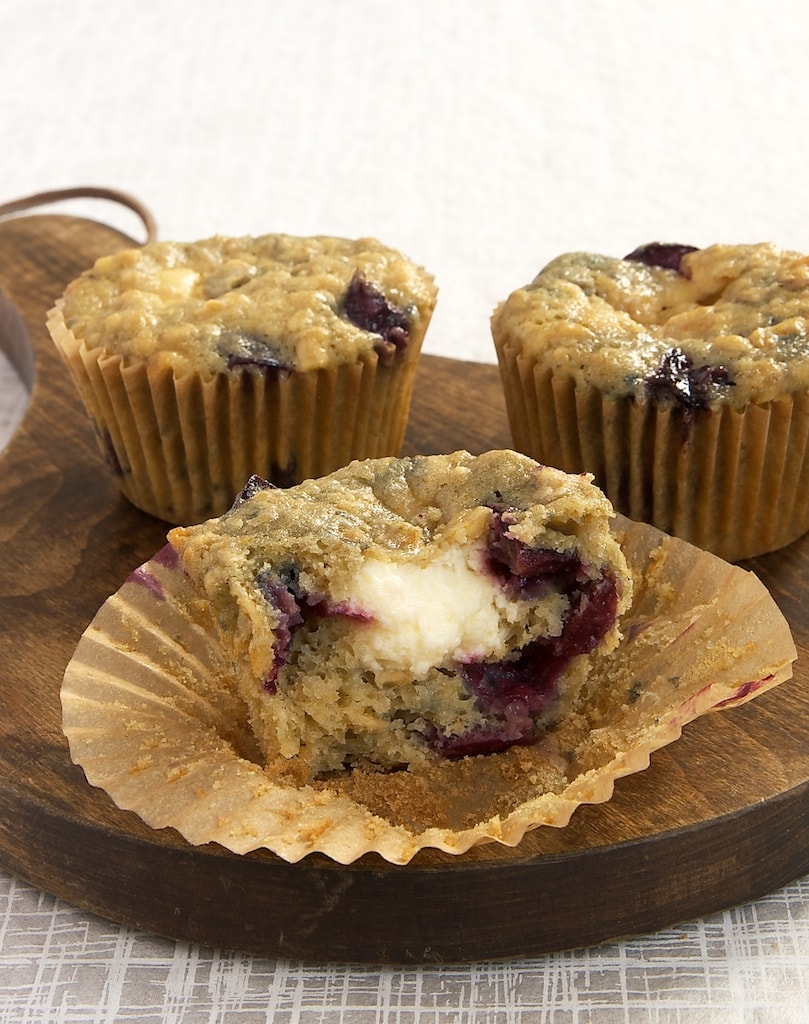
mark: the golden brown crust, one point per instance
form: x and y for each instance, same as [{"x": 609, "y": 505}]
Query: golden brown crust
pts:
[
  {"x": 609, "y": 322},
  {"x": 193, "y": 305}
]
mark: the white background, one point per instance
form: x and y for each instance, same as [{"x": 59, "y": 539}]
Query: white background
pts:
[{"x": 482, "y": 138}]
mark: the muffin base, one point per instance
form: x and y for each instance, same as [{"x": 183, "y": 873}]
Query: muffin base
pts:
[
  {"x": 735, "y": 483},
  {"x": 181, "y": 448}
]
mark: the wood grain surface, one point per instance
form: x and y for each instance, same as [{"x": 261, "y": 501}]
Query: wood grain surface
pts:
[{"x": 720, "y": 817}]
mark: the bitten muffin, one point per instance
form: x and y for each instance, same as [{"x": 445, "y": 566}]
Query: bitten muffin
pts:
[
  {"x": 151, "y": 712},
  {"x": 203, "y": 363},
  {"x": 679, "y": 377},
  {"x": 402, "y": 611}
]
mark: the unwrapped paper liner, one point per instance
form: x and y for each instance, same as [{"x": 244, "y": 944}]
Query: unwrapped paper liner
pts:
[{"x": 150, "y": 717}]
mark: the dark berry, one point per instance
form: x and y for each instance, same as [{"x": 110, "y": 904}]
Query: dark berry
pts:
[
  {"x": 277, "y": 594},
  {"x": 516, "y": 692},
  {"x": 523, "y": 570},
  {"x": 513, "y": 694},
  {"x": 367, "y": 308},
  {"x": 254, "y": 484},
  {"x": 667, "y": 255},
  {"x": 591, "y": 614},
  {"x": 529, "y": 679},
  {"x": 484, "y": 739},
  {"x": 296, "y": 606},
  {"x": 249, "y": 351},
  {"x": 320, "y": 605},
  {"x": 289, "y": 576},
  {"x": 678, "y": 380}
]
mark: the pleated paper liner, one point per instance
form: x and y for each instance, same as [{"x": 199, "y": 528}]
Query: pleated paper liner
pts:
[
  {"x": 181, "y": 448},
  {"x": 150, "y": 716},
  {"x": 733, "y": 482}
]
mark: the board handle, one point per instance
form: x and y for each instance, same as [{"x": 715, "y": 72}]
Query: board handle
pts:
[{"x": 84, "y": 192}]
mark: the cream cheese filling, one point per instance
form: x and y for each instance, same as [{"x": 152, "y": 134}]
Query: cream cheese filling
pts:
[{"x": 425, "y": 613}]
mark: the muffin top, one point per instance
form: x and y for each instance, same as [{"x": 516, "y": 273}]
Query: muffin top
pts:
[
  {"x": 389, "y": 510},
  {"x": 723, "y": 324},
  {"x": 273, "y": 303}
]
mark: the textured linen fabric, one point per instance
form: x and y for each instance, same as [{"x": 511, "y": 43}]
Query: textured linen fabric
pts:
[{"x": 744, "y": 966}]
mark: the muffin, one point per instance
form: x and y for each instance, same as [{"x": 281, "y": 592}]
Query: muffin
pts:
[
  {"x": 204, "y": 363},
  {"x": 400, "y": 611},
  {"x": 421, "y": 687},
  {"x": 679, "y": 377}
]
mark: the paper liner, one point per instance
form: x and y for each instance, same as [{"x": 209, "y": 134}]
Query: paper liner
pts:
[
  {"x": 733, "y": 482},
  {"x": 181, "y": 448},
  {"x": 150, "y": 717}
]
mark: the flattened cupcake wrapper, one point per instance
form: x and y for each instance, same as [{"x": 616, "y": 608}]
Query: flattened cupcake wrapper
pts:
[
  {"x": 153, "y": 722},
  {"x": 181, "y": 448},
  {"x": 733, "y": 482}
]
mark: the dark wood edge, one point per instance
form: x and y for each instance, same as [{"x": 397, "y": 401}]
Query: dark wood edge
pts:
[{"x": 336, "y": 913}]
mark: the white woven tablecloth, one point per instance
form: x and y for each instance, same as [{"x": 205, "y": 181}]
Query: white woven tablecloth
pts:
[
  {"x": 483, "y": 139},
  {"x": 745, "y": 966}
]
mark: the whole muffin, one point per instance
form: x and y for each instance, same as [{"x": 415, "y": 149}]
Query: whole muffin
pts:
[
  {"x": 203, "y": 363},
  {"x": 400, "y": 612},
  {"x": 679, "y": 377}
]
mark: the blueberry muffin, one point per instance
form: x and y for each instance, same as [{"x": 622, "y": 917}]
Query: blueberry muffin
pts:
[
  {"x": 679, "y": 377},
  {"x": 405, "y": 655},
  {"x": 203, "y": 363},
  {"x": 406, "y": 611}
]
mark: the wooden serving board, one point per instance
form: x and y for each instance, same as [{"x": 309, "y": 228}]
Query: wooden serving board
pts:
[{"x": 721, "y": 816}]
